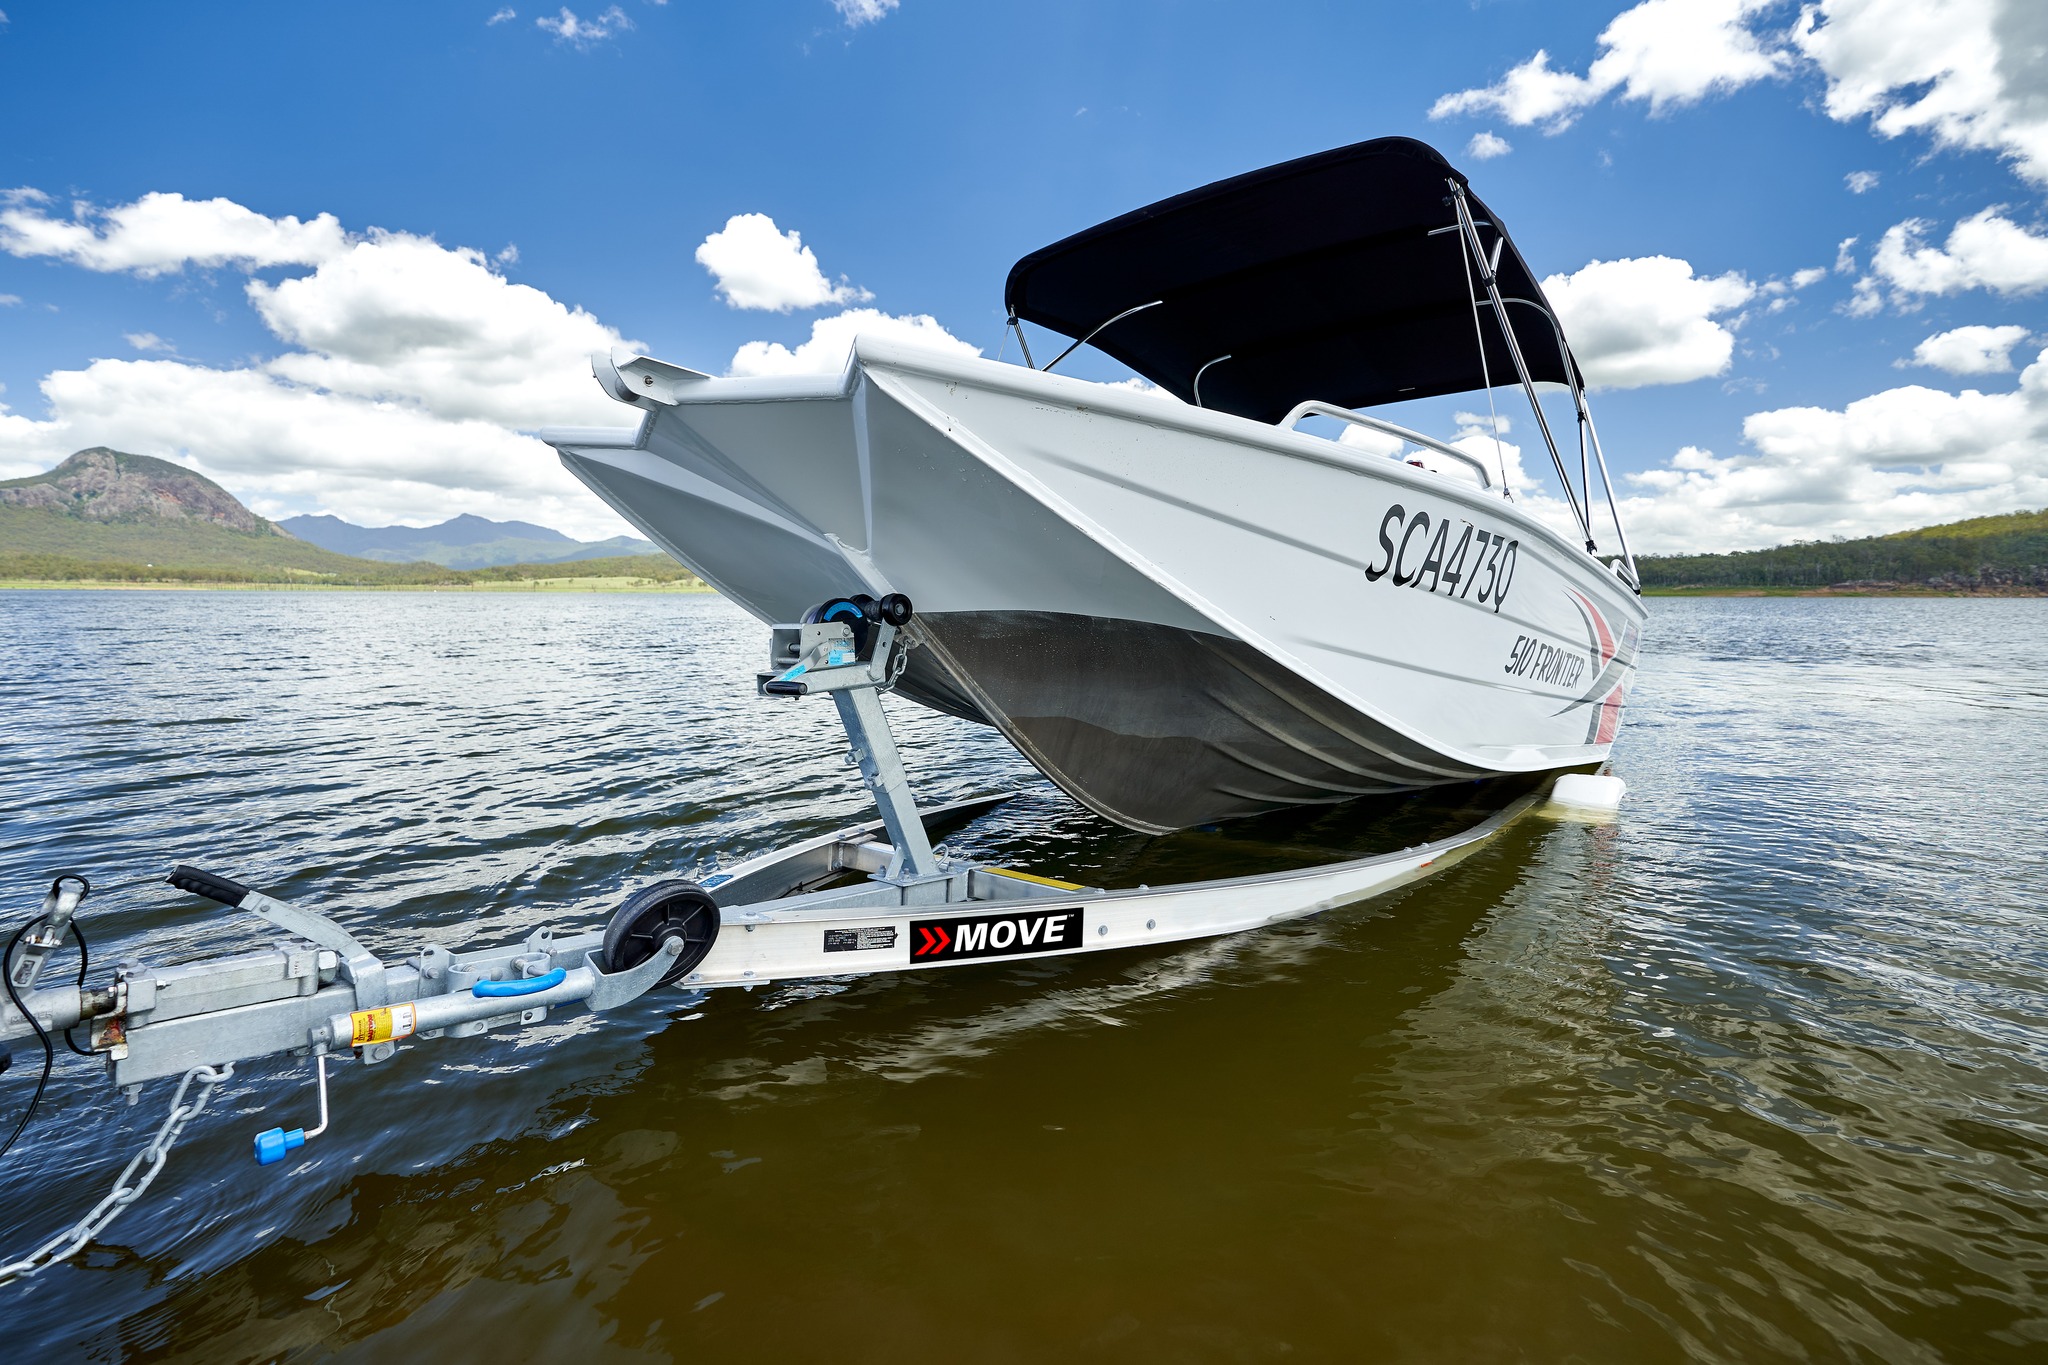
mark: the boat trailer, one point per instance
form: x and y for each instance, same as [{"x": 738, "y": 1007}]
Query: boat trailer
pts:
[{"x": 872, "y": 898}]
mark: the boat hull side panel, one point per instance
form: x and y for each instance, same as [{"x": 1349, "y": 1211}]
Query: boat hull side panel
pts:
[
  {"x": 1158, "y": 727},
  {"x": 1370, "y": 581}
]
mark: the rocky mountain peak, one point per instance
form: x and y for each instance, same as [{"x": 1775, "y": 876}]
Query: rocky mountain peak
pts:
[{"x": 113, "y": 486}]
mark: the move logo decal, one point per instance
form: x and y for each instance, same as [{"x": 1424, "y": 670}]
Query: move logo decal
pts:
[{"x": 1031, "y": 931}]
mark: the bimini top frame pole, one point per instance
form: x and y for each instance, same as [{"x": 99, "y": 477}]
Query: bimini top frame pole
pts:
[
  {"x": 1490, "y": 280},
  {"x": 1582, "y": 503}
]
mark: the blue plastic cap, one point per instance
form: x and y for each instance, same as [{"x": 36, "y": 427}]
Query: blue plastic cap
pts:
[{"x": 272, "y": 1146}]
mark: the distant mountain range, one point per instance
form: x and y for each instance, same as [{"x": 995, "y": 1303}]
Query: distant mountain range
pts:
[
  {"x": 463, "y": 542},
  {"x": 106, "y": 513}
]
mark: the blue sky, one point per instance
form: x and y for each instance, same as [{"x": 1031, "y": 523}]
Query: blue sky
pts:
[{"x": 506, "y": 185}]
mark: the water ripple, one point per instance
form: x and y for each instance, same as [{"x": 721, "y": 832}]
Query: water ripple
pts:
[{"x": 1757, "y": 1072}]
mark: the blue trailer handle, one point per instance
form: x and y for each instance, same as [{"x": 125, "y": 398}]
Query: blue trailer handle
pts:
[{"x": 528, "y": 986}]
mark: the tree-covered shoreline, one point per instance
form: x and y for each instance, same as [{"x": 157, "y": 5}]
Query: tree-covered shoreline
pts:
[{"x": 2003, "y": 554}]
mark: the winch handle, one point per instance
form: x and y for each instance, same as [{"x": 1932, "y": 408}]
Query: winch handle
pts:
[
  {"x": 203, "y": 883},
  {"x": 358, "y": 963}
]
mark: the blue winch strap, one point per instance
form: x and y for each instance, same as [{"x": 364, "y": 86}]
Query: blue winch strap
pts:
[{"x": 526, "y": 986}]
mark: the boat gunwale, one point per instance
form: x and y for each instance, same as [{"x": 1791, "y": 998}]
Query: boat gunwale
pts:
[
  {"x": 1093, "y": 395},
  {"x": 1264, "y": 437}
]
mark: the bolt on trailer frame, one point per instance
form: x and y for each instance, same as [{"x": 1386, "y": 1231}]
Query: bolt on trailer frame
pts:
[{"x": 875, "y": 897}]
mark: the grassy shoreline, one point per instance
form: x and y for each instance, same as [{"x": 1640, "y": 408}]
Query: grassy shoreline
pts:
[{"x": 612, "y": 573}]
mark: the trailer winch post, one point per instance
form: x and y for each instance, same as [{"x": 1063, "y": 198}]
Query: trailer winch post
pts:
[
  {"x": 853, "y": 648},
  {"x": 874, "y": 752}
]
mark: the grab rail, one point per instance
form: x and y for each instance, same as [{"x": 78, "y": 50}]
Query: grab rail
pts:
[{"x": 1316, "y": 408}]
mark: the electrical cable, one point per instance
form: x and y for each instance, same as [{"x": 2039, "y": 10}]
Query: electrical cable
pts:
[
  {"x": 84, "y": 959},
  {"x": 49, "y": 1053}
]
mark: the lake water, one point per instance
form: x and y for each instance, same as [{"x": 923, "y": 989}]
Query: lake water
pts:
[{"x": 1759, "y": 1072}]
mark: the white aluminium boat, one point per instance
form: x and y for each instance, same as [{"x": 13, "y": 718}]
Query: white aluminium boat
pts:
[{"x": 1184, "y": 612}]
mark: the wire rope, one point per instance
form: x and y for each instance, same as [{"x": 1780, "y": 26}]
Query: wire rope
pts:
[{"x": 1485, "y": 372}]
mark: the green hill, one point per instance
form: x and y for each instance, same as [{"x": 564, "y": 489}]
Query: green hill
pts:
[
  {"x": 110, "y": 506},
  {"x": 108, "y": 516},
  {"x": 1979, "y": 528},
  {"x": 2006, "y": 553}
]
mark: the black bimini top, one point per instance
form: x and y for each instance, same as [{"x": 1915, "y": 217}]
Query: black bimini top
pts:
[{"x": 1318, "y": 278}]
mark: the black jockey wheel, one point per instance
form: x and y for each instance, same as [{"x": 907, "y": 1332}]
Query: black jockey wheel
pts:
[{"x": 651, "y": 917}]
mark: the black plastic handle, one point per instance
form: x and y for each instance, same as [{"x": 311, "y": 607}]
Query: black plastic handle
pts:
[
  {"x": 202, "y": 883},
  {"x": 779, "y": 687}
]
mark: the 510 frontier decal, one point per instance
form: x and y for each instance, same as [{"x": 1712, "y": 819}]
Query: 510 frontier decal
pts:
[{"x": 1442, "y": 560}]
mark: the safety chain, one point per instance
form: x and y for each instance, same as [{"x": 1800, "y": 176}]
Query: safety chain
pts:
[
  {"x": 69, "y": 1242},
  {"x": 901, "y": 663}
]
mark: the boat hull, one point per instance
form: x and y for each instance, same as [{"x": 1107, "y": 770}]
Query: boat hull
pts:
[{"x": 1179, "y": 616}]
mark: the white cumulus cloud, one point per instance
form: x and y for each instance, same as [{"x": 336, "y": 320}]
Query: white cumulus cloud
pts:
[
  {"x": 756, "y": 265},
  {"x": 162, "y": 233},
  {"x": 1647, "y": 320},
  {"x": 584, "y": 33},
  {"x": 1984, "y": 251},
  {"x": 400, "y": 318},
  {"x": 500, "y": 16},
  {"x": 858, "y": 12},
  {"x": 1861, "y": 182},
  {"x": 407, "y": 377},
  {"x": 1910, "y": 456},
  {"x": 1661, "y": 52},
  {"x": 1969, "y": 73},
  {"x": 831, "y": 342},
  {"x": 282, "y": 445},
  {"x": 1487, "y": 146},
  {"x": 1969, "y": 350}
]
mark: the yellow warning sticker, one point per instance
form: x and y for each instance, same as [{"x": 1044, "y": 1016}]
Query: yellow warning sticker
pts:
[{"x": 382, "y": 1026}]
